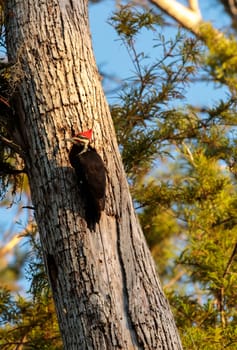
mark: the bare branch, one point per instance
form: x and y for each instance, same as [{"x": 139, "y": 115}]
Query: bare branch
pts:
[
  {"x": 174, "y": 279},
  {"x": 5, "y": 64},
  {"x": 194, "y": 6},
  {"x": 230, "y": 261},
  {"x": 12, "y": 145},
  {"x": 233, "y": 7},
  {"x": 16, "y": 239},
  {"x": 189, "y": 18},
  {"x": 10, "y": 245}
]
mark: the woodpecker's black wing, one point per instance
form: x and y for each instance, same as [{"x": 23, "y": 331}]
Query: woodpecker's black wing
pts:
[
  {"x": 91, "y": 175},
  {"x": 94, "y": 173}
]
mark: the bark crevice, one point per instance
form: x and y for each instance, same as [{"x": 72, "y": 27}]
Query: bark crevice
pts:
[{"x": 125, "y": 292}]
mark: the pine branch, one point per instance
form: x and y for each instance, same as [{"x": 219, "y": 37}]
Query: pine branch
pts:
[
  {"x": 230, "y": 261},
  {"x": 4, "y": 64}
]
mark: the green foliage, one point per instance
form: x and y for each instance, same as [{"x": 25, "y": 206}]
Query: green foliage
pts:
[
  {"x": 181, "y": 162},
  {"x": 221, "y": 59},
  {"x": 11, "y": 164},
  {"x": 129, "y": 21},
  {"x": 30, "y": 322},
  {"x": 144, "y": 119}
]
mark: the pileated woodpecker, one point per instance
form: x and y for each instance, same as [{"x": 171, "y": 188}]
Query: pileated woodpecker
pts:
[{"x": 90, "y": 171}]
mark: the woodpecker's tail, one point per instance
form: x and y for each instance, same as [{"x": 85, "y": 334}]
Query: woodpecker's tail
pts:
[{"x": 93, "y": 211}]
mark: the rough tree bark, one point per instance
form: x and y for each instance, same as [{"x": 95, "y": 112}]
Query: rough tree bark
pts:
[{"x": 104, "y": 283}]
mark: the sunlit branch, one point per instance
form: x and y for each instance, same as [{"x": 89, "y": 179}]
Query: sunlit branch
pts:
[
  {"x": 11, "y": 145},
  {"x": 233, "y": 7},
  {"x": 189, "y": 18},
  {"x": 16, "y": 239},
  {"x": 194, "y": 6}
]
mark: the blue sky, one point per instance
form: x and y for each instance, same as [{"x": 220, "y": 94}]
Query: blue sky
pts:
[{"x": 113, "y": 58}]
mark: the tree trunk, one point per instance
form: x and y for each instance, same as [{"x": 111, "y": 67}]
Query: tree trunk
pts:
[{"x": 104, "y": 283}]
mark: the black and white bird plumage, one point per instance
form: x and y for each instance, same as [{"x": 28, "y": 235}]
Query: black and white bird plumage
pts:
[{"x": 91, "y": 176}]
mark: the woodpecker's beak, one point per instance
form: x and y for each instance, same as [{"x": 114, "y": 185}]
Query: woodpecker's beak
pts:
[
  {"x": 70, "y": 140},
  {"x": 77, "y": 139}
]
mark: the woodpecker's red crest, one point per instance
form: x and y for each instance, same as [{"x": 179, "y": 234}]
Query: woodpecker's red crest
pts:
[
  {"x": 87, "y": 134},
  {"x": 83, "y": 137}
]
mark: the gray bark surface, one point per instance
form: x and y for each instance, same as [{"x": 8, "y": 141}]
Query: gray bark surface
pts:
[{"x": 104, "y": 283}]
